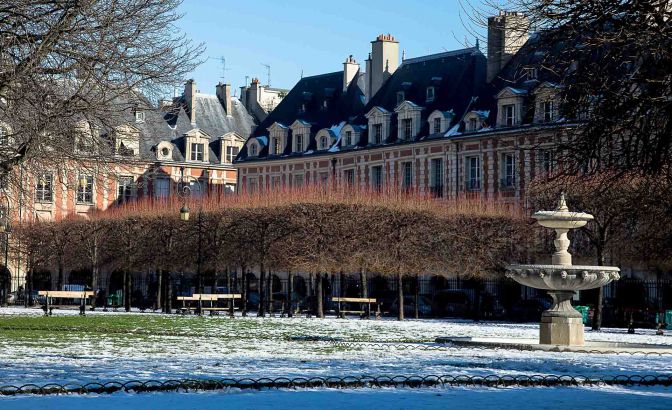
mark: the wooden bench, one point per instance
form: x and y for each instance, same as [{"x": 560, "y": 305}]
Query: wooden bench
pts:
[
  {"x": 367, "y": 301},
  {"x": 82, "y": 295},
  {"x": 207, "y": 297}
]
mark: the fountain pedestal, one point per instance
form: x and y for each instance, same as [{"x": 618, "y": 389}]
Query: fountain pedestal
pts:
[{"x": 561, "y": 324}]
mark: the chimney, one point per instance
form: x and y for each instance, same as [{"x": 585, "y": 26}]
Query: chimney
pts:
[
  {"x": 224, "y": 96},
  {"x": 384, "y": 61},
  {"x": 507, "y": 33},
  {"x": 350, "y": 69},
  {"x": 255, "y": 91},
  {"x": 190, "y": 97}
]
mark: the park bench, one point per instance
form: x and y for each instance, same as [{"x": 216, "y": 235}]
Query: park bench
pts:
[
  {"x": 206, "y": 297},
  {"x": 82, "y": 295},
  {"x": 362, "y": 312}
]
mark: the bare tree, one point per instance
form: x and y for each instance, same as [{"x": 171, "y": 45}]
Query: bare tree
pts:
[
  {"x": 71, "y": 70},
  {"x": 612, "y": 61}
]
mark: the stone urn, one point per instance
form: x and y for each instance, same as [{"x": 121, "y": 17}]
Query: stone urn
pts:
[{"x": 562, "y": 324}]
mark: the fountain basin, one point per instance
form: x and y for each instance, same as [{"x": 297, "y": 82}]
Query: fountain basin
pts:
[{"x": 563, "y": 277}]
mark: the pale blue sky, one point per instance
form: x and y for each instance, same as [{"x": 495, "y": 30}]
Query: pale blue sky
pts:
[{"x": 311, "y": 36}]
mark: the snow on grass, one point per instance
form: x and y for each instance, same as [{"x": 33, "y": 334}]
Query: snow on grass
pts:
[{"x": 108, "y": 346}]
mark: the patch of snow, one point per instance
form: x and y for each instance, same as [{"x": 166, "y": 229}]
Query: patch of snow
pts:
[{"x": 453, "y": 131}]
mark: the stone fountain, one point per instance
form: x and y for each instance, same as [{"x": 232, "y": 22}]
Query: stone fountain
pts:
[{"x": 562, "y": 324}]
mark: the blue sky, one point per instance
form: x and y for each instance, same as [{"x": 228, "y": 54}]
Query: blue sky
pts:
[{"x": 311, "y": 36}]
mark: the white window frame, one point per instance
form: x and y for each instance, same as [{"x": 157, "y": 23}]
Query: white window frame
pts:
[
  {"x": 548, "y": 110},
  {"x": 378, "y": 133},
  {"x": 508, "y": 170},
  {"x": 125, "y": 192},
  {"x": 408, "y": 128},
  {"x": 379, "y": 182},
  {"x": 298, "y": 143},
  {"x": 407, "y": 175},
  {"x": 84, "y": 195},
  {"x": 194, "y": 154},
  {"x": 509, "y": 115},
  {"x": 44, "y": 188},
  {"x": 437, "y": 125},
  {"x": 254, "y": 149},
  {"x": 436, "y": 176},
  {"x": 230, "y": 156},
  {"x": 473, "y": 173},
  {"x": 430, "y": 94}
]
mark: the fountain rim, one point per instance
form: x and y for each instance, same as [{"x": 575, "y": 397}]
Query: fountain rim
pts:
[
  {"x": 564, "y": 267},
  {"x": 563, "y": 216}
]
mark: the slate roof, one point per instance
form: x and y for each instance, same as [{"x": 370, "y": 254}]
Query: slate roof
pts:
[
  {"x": 211, "y": 118},
  {"x": 313, "y": 92},
  {"x": 458, "y": 78}
]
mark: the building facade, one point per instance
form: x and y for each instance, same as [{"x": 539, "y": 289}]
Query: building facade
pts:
[{"x": 447, "y": 124}]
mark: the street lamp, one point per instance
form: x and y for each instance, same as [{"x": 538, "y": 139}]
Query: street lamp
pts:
[{"x": 184, "y": 191}]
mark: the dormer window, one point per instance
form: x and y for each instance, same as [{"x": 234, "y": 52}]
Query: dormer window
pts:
[
  {"x": 302, "y": 108},
  {"x": 401, "y": 96},
  {"x": 299, "y": 143},
  {"x": 325, "y": 105},
  {"x": 407, "y": 128},
  {"x": 472, "y": 125},
  {"x": 377, "y": 133},
  {"x": 275, "y": 146},
  {"x": 430, "y": 94},
  {"x": 510, "y": 115},
  {"x": 254, "y": 150},
  {"x": 139, "y": 116},
  {"x": 165, "y": 151},
  {"x": 324, "y": 142},
  {"x": 348, "y": 138},
  {"x": 548, "y": 110},
  {"x": 437, "y": 125},
  {"x": 231, "y": 153},
  {"x": 197, "y": 151}
]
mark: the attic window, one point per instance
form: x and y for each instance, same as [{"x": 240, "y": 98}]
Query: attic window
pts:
[
  {"x": 165, "y": 151},
  {"x": 400, "y": 97},
  {"x": 325, "y": 105},
  {"x": 531, "y": 73},
  {"x": 139, "y": 116},
  {"x": 253, "y": 150},
  {"x": 430, "y": 94},
  {"x": 324, "y": 142},
  {"x": 302, "y": 108}
]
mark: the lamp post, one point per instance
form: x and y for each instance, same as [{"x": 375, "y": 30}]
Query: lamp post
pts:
[{"x": 184, "y": 191}]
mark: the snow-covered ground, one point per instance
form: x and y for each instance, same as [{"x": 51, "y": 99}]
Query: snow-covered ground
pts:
[{"x": 218, "y": 347}]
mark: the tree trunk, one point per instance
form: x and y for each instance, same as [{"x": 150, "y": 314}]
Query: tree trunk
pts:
[
  {"x": 262, "y": 292},
  {"x": 290, "y": 294},
  {"x": 127, "y": 291},
  {"x": 364, "y": 290},
  {"x": 229, "y": 283},
  {"x": 319, "y": 308},
  {"x": 597, "y": 315},
  {"x": 269, "y": 293},
  {"x": 159, "y": 287},
  {"x": 59, "y": 283},
  {"x": 244, "y": 287},
  {"x": 400, "y": 295},
  {"x": 168, "y": 293},
  {"x": 417, "y": 296}
]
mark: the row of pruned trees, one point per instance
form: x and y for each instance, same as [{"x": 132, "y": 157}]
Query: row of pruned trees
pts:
[{"x": 317, "y": 234}]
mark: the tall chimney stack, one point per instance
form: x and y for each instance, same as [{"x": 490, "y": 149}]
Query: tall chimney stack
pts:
[
  {"x": 190, "y": 97},
  {"x": 384, "y": 61},
  {"x": 224, "y": 96},
  {"x": 507, "y": 33},
  {"x": 350, "y": 70}
]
